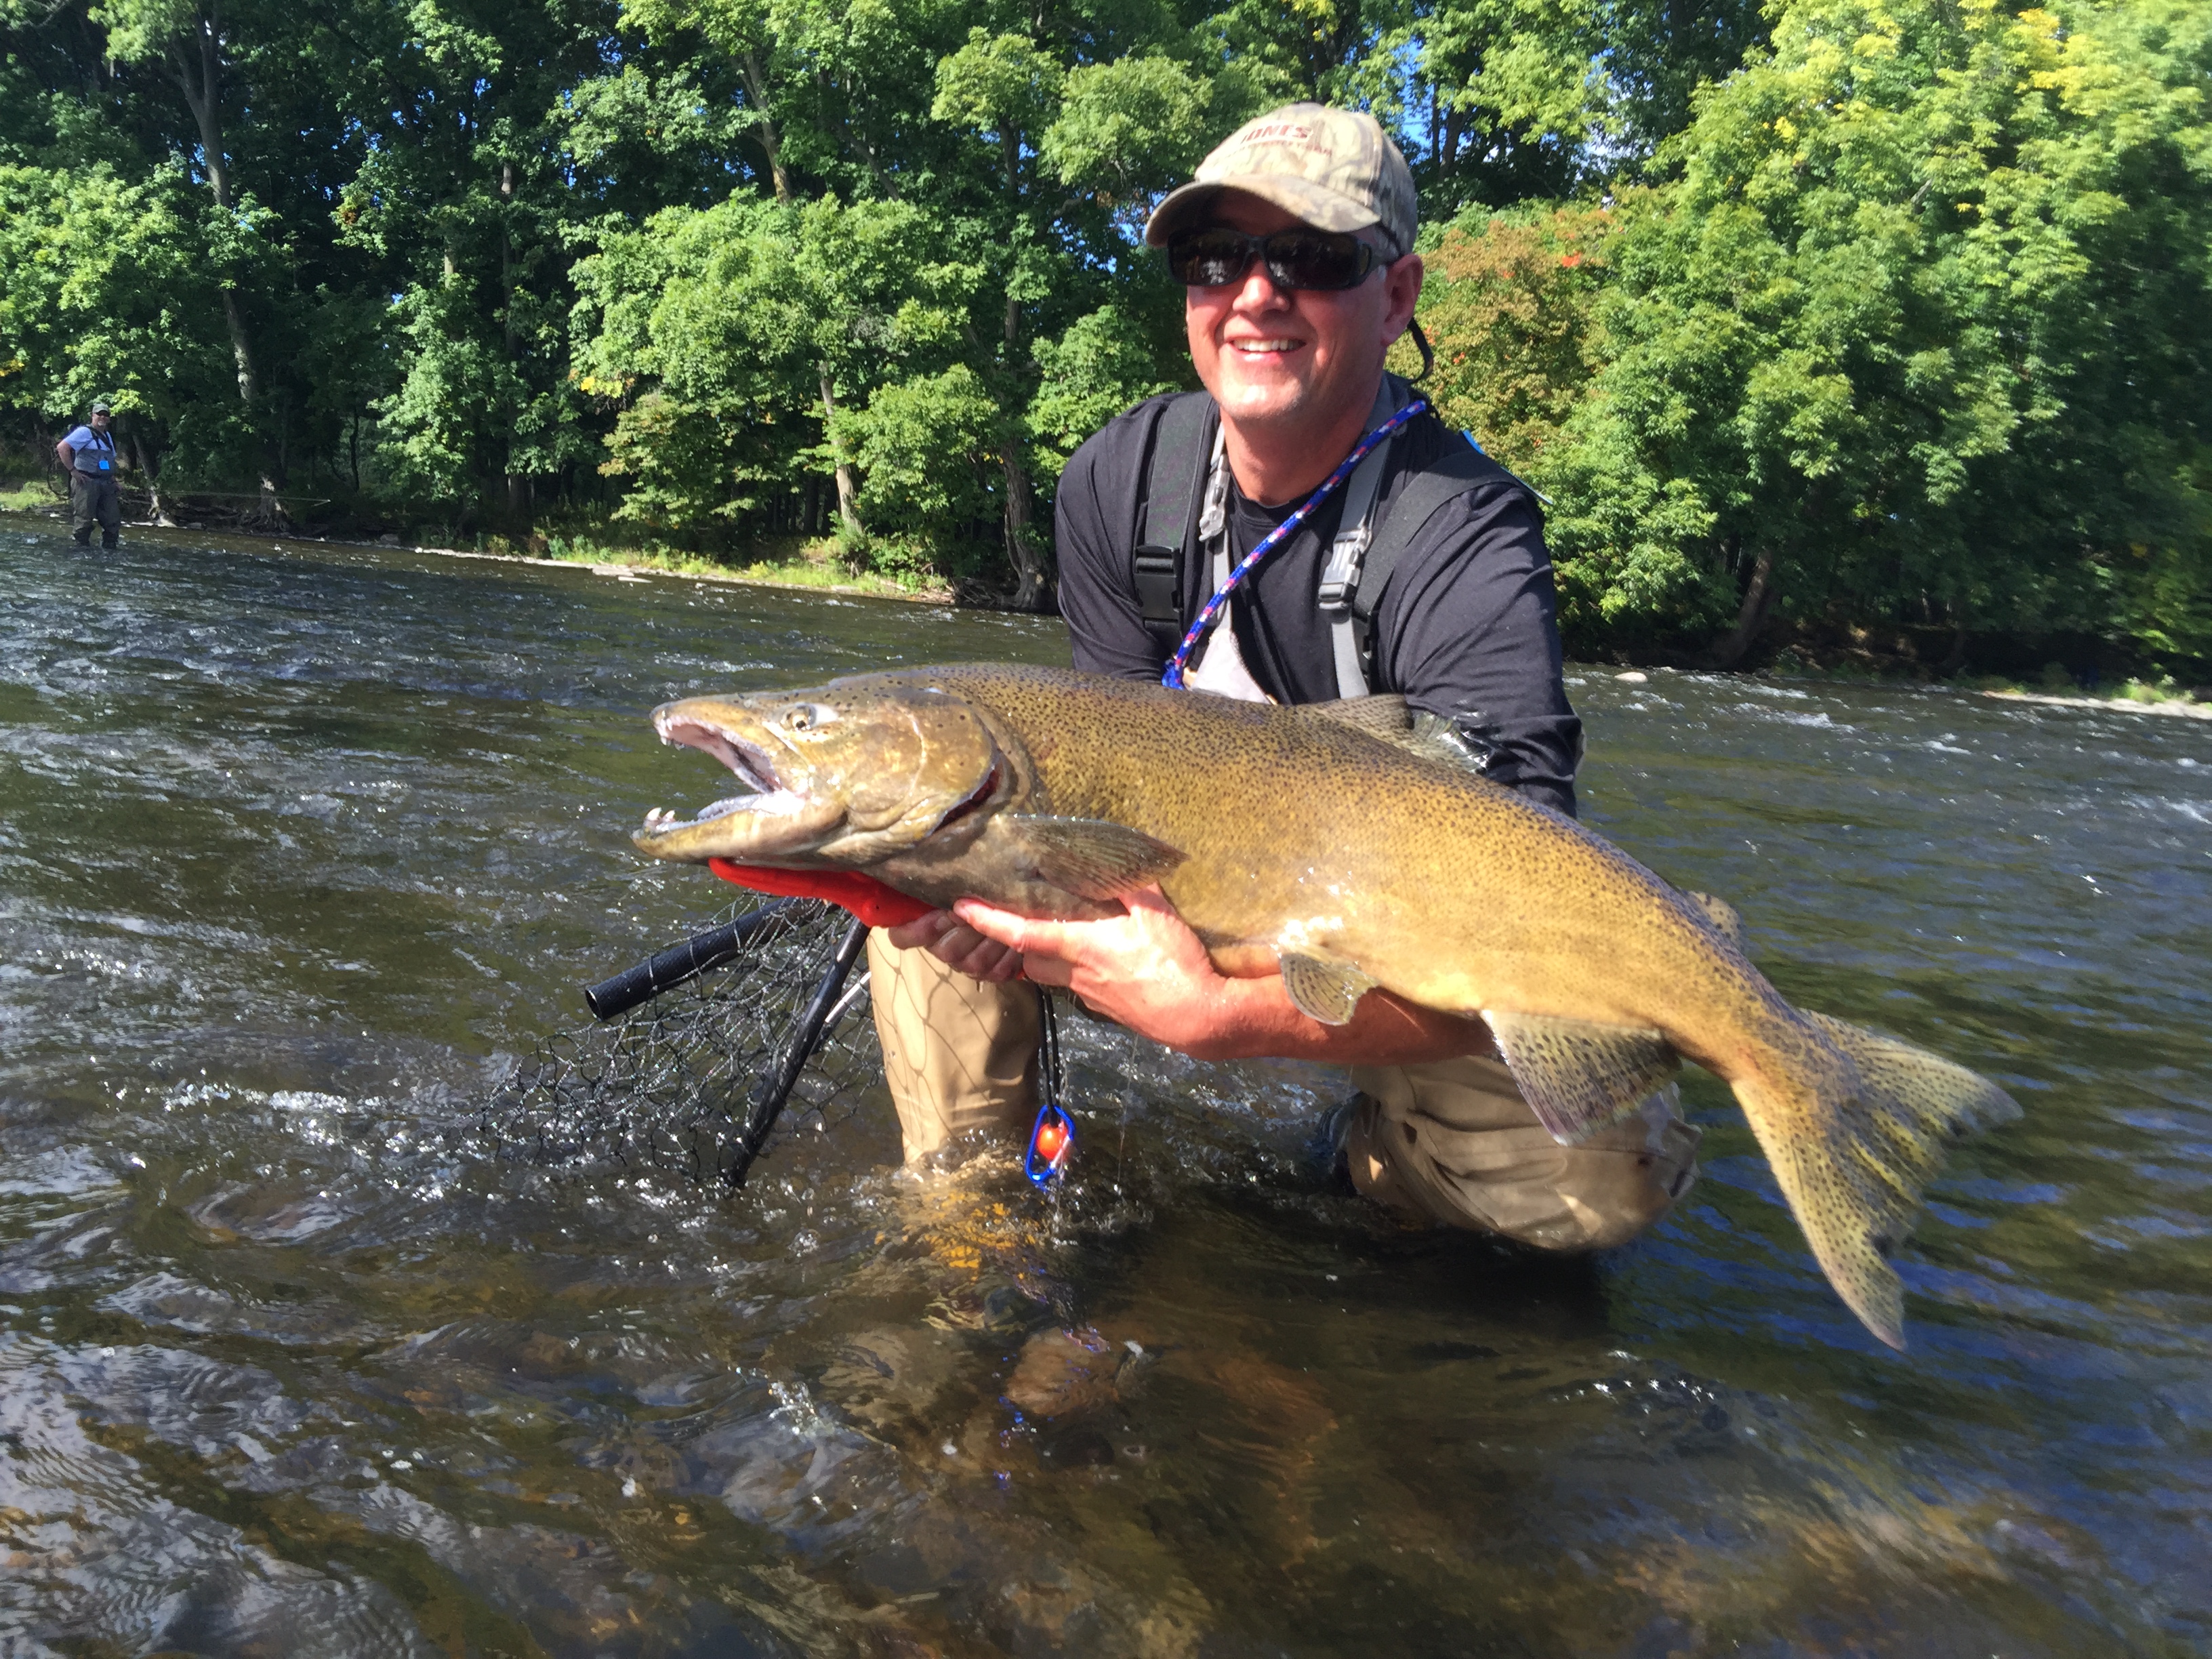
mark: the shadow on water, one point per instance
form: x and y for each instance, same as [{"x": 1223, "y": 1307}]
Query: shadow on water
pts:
[{"x": 300, "y": 849}]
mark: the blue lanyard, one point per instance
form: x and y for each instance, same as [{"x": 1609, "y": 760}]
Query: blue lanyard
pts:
[{"x": 1173, "y": 678}]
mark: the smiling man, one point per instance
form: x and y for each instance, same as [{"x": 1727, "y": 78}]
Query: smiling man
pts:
[{"x": 1424, "y": 574}]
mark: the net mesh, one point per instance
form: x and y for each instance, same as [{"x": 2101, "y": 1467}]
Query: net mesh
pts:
[{"x": 669, "y": 1084}]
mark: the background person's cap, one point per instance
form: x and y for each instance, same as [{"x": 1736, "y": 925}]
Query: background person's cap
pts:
[
  {"x": 1334, "y": 168},
  {"x": 100, "y": 407}
]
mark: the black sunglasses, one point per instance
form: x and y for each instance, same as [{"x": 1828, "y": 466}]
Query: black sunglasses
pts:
[{"x": 1296, "y": 258}]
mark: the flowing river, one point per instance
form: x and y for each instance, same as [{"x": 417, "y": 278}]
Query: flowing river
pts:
[{"x": 302, "y": 846}]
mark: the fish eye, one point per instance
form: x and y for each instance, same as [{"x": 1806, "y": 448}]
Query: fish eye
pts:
[{"x": 808, "y": 715}]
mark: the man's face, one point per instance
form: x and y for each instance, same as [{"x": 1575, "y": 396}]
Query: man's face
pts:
[
  {"x": 1270, "y": 354},
  {"x": 99, "y": 420}
]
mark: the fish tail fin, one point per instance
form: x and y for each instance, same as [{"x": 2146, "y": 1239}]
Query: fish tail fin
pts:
[{"x": 1883, "y": 1122}]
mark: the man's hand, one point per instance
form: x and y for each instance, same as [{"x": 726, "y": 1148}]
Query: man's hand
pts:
[
  {"x": 958, "y": 947},
  {"x": 1145, "y": 970}
]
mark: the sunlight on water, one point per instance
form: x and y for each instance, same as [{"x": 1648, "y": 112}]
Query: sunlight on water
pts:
[{"x": 300, "y": 849}]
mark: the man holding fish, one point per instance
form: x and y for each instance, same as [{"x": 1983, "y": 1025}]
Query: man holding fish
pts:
[
  {"x": 1356, "y": 850},
  {"x": 1422, "y": 572}
]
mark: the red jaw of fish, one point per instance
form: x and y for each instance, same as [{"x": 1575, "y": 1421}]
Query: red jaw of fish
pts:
[{"x": 864, "y": 896}]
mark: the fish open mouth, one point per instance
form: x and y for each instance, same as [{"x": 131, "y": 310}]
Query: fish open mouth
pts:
[{"x": 764, "y": 795}]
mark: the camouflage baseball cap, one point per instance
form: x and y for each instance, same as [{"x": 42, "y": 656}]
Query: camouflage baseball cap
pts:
[
  {"x": 1334, "y": 168},
  {"x": 100, "y": 407}
]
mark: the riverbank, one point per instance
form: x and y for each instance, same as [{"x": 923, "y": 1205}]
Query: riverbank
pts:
[
  {"x": 812, "y": 565},
  {"x": 794, "y": 561}
]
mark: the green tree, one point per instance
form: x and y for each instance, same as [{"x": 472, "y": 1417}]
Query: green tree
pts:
[
  {"x": 104, "y": 292},
  {"x": 1920, "y": 333}
]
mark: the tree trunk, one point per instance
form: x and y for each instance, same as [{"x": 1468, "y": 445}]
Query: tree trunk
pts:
[
  {"x": 148, "y": 460},
  {"x": 848, "y": 494},
  {"x": 1032, "y": 575},
  {"x": 1751, "y": 616},
  {"x": 196, "y": 59},
  {"x": 517, "y": 483},
  {"x": 756, "y": 85},
  {"x": 749, "y": 71},
  {"x": 1955, "y": 658}
]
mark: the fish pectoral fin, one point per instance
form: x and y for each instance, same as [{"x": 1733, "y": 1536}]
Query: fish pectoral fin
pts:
[
  {"x": 1091, "y": 858},
  {"x": 1577, "y": 1076},
  {"x": 1719, "y": 912},
  {"x": 1326, "y": 988}
]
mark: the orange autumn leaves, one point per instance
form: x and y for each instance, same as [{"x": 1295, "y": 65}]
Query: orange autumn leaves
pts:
[{"x": 1509, "y": 306}]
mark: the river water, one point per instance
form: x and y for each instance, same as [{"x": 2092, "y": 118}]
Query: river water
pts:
[{"x": 302, "y": 847}]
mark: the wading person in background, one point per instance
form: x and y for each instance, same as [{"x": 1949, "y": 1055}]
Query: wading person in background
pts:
[
  {"x": 1422, "y": 573},
  {"x": 89, "y": 453}
]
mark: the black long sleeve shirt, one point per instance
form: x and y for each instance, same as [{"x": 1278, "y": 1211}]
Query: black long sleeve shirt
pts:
[{"x": 1468, "y": 627}]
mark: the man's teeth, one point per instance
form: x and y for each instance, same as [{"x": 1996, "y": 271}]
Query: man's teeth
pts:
[{"x": 1265, "y": 345}]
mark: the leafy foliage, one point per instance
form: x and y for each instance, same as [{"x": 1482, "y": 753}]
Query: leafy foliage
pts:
[
  {"x": 1922, "y": 331},
  {"x": 1843, "y": 310}
]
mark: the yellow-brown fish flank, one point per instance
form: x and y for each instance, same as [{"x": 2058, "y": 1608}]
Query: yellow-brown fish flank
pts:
[{"x": 1308, "y": 838}]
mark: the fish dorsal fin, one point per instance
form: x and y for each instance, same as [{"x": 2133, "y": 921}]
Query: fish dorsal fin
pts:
[
  {"x": 1386, "y": 718},
  {"x": 1092, "y": 858},
  {"x": 1721, "y": 914},
  {"x": 1383, "y": 715},
  {"x": 1579, "y": 1077},
  {"x": 1324, "y": 987}
]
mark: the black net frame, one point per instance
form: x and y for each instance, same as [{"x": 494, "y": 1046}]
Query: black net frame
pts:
[{"x": 700, "y": 1078}]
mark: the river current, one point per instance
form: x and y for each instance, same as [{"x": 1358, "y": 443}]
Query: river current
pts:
[{"x": 302, "y": 847}]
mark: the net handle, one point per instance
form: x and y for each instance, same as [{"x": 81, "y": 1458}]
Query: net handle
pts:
[{"x": 623, "y": 992}]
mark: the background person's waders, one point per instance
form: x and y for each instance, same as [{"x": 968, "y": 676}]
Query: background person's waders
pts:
[{"x": 93, "y": 498}]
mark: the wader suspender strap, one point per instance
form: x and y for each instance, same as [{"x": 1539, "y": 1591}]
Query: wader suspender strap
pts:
[
  {"x": 1340, "y": 575},
  {"x": 1178, "y": 464},
  {"x": 1452, "y": 474}
]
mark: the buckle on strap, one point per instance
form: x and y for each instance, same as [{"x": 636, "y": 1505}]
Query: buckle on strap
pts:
[
  {"x": 1157, "y": 587},
  {"x": 1339, "y": 577}
]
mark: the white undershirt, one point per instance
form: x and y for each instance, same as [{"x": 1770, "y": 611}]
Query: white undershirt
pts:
[{"x": 1221, "y": 669}]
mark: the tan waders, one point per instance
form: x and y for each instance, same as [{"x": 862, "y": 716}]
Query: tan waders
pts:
[
  {"x": 959, "y": 1054},
  {"x": 1451, "y": 1143}
]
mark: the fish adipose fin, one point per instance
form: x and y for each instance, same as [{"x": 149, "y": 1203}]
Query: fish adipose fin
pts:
[
  {"x": 1326, "y": 988},
  {"x": 1091, "y": 858},
  {"x": 1857, "y": 1190},
  {"x": 1579, "y": 1077}
]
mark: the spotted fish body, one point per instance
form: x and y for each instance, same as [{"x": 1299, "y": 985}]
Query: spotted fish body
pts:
[{"x": 1312, "y": 841}]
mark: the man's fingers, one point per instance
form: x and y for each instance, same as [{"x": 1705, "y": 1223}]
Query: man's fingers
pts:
[
  {"x": 1026, "y": 934},
  {"x": 923, "y": 931},
  {"x": 1048, "y": 971}
]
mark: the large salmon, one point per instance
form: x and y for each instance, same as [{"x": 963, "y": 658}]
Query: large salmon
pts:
[{"x": 1317, "y": 841}]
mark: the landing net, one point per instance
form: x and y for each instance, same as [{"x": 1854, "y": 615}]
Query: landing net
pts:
[{"x": 670, "y": 1084}]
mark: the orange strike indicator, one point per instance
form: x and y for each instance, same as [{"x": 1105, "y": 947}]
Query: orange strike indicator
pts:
[{"x": 1051, "y": 1142}]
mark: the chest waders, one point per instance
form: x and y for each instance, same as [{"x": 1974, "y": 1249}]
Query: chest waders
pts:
[{"x": 96, "y": 459}]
